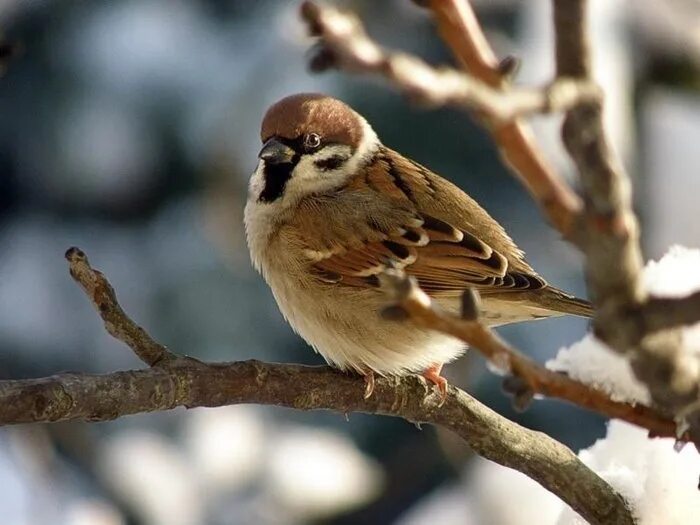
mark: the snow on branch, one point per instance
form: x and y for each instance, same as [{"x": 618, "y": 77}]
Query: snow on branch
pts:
[
  {"x": 626, "y": 319},
  {"x": 524, "y": 377}
]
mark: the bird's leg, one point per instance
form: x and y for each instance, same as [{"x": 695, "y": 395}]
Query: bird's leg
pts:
[
  {"x": 432, "y": 374},
  {"x": 368, "y": 374}
]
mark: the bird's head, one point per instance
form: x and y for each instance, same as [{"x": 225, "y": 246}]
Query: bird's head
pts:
[{"x": 312, "y": 144}]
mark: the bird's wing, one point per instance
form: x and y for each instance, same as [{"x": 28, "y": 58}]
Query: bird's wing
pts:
[
  {"x": 418, "y": 225},
  {"x": 445, "y": 260}
]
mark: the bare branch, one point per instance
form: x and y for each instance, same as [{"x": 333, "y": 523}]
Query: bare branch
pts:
[
  {"x": 536, "y": 379},
  {"x": 345, "y": 44},
  {"x": 611, "y": 243},
  {"x": 462, "y": 32},
  {"x": 660, "y": 313},
  {"x": 104, "y": 397},
  {"x": 117, "y": 323},
  {"x": 177, "y": 381}
]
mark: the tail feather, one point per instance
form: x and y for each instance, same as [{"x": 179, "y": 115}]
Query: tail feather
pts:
[{"x": 560, "y": 301}]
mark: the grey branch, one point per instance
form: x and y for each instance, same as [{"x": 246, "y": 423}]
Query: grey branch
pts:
[
  {"x": 611, "y": 244},
  {"x": 104, "y": 397},
  {"x": 117, "y": 323},
  {"x": 345, "y": 44},
  {"x": 660, "y": 313},
  {"x": 179, "y": 381}
]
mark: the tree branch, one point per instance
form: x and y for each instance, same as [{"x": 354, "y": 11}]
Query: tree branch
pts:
[
  {"x": 117, "y": 323},
  {"x": 178, "y": 381},
  {"x": 661, "y": 313},
  {"x": 344, "y": 44},
  {"x": 608, "y": 234},
  {"x": 104, "y": 397},
  {"x": 611, "y": 242},
  {"x": 533, "y": 377}
]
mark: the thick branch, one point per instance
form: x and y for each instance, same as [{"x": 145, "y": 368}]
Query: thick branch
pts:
[
  {"x": 535, "y": 379},
  {"x": 345, "y": 44},
  {"x": 104, "y": 397},
  {"x": 178, "y": 381},
  {"x": 660, "y": 313},
  {"x": 611, "y": 243}
]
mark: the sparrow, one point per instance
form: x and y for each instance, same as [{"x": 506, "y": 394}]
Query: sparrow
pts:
[{"x": 330, "y": 208}]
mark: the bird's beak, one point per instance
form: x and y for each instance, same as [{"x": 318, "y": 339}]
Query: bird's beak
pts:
[{"x": 275, "y": 152}]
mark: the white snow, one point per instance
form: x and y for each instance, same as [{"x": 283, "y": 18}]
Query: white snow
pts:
[
  {"x": 660, "y": 484},
  {"x": 592, "y": 362}
]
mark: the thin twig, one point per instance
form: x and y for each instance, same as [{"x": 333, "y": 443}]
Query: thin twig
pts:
[
  {"x": 347, "y": 46},
  {"x": 407, "y": 295},
  {"x": 462, "y": 33},
  {"x": 461, "y": 30},
  {"x": 661, "y": 313},
  {"x": 117, "y": 323}
]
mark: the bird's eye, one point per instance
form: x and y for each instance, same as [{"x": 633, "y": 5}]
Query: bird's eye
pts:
[{"x": 312, "y": 141}]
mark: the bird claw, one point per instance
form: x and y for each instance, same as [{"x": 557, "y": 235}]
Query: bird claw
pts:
[{"x": 432, "y": 374}]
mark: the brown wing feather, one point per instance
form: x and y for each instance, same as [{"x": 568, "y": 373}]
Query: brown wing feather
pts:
[{"x": 422, "y": 224}]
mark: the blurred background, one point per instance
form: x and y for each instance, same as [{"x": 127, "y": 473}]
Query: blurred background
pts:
[{"x": 129, "y": 128}]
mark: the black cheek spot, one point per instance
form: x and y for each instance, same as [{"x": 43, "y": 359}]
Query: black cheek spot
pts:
[{"x": 331, "y": 163}]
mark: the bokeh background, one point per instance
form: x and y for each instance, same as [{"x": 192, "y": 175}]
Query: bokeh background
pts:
[{"x": 129, "y": 128}]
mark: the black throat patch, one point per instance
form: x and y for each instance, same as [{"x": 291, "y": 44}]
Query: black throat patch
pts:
[{"x": 276, "y": 177}]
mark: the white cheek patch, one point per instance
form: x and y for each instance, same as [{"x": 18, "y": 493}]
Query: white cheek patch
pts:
[
  {"x": 309, "y": 177},
  {"x": 257, "y": 182}
]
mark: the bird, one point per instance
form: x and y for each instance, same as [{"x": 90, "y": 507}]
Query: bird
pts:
[{"x": 330, "y": 208}]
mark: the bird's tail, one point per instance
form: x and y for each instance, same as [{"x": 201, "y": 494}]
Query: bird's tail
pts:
[{"x": 560, "y": 301}]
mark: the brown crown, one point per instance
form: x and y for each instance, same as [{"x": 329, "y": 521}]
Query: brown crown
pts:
[{"x": 296, "y": 115}]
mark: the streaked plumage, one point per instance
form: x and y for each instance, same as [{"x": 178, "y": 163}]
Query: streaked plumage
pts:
[{"x": 323, "y": 222}]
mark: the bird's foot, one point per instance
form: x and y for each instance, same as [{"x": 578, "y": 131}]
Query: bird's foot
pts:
[
  {"x": 432, "y": 374},
  {"x": 369, "y": 383}
]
